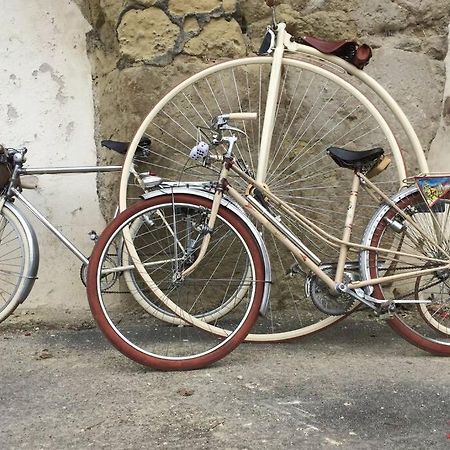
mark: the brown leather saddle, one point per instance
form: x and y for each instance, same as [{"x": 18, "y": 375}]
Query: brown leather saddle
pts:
[{"x": 351, "y": 51}]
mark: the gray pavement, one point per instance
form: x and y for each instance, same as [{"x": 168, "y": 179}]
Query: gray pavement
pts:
[{"x": 356, "y": 385}]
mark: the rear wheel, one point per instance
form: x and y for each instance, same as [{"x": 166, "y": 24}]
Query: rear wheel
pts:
[
  {"x": 426, "y": 236},
  {"x": 156, "y": 253}
]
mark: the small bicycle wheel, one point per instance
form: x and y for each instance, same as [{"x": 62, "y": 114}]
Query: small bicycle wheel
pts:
[
  {"x": 315, "y": 109},
  {"x": 17, "y": 267},
  {"x": 166, "y": 241},
  {"x": 424, "y": 241}
]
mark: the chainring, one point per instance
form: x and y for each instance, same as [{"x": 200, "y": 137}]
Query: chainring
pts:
[
  {"x": 107, "y": 281},
  {"x": 324, "y": 300}
]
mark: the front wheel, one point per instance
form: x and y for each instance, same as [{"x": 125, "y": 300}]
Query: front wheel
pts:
[
  {"x": 162, "y": 236},
  {"x": 422, "y": 234},
  {"x": 19, "y": 260}
]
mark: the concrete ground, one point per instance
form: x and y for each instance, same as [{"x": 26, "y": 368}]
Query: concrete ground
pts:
[{"x": 356, "y": 385}]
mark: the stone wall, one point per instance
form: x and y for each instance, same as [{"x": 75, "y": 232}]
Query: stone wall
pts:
[{"x": 139, "y": 50}]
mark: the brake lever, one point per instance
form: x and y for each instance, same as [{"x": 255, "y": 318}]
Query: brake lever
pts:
[{"x": 227, "y": 127}]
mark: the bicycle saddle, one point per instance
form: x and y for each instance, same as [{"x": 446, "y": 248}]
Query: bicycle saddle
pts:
[
  {"x": 122, "y": 147},
  {"x": 351, "y": 159},
  {"x": 350, "y": 50}
]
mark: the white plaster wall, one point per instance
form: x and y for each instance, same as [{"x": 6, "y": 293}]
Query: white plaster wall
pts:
[{"x": 46, "y": 105}]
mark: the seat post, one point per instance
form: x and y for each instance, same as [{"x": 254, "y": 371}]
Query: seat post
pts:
[{"x": 347, "y": 228}]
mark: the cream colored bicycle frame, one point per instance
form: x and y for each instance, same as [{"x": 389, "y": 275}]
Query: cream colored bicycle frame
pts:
[{"x": 343, "y": 244}]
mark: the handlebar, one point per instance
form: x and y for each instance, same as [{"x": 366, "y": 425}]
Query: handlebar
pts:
[{"x": 241, "y": 116}]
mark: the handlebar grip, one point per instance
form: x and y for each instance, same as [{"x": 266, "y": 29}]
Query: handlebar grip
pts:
[{"x": 242, "y": 116}]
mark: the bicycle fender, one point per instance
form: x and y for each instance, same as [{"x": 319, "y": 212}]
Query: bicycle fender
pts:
[
  {"x": 373, "y": 222},
  {"x": 227, "y": 203},
  {"x": 33, "y": 246}
]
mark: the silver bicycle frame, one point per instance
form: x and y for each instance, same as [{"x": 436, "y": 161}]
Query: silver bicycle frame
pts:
[
  {"x": 61, "y": 170},
  {"x": 51, "y": 171}
]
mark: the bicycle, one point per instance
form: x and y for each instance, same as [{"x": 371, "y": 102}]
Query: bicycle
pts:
[
  {"x": 19, "y": 261},
  {"x": 308, "y": 96},
  {"x": 403, "y": 259},
  {"x": 19, "y": 258}
]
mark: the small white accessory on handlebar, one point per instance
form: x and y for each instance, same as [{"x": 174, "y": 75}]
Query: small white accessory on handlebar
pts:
[{"x": 200, "y": 151}]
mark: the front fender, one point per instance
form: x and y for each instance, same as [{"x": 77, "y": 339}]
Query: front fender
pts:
[
  {"x": 32, "y": 267},
  {"x": 199, "y": 189}
]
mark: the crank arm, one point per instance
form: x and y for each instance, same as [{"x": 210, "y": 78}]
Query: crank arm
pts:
[{"x": 358, "y": 294}]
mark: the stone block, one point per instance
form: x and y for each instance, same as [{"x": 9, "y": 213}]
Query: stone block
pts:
[
  {"x": 146, "y": 34},
  {"x": 182, "y": 7},
  {"x": 416, "y": 83},
  {"x": 219, "y": 38},
  {"x": 191, "y": 25},
  {"x": 229, "y": 6}
]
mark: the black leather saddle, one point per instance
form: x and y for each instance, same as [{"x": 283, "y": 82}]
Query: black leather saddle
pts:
[
  {"x": 122, "y": 147},
  {"x": 351, "y": 159}
]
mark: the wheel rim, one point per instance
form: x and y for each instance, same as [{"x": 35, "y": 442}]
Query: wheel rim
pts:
[
  {"x": 12, "y": 262},
  {"x": 147, "y": 339}
]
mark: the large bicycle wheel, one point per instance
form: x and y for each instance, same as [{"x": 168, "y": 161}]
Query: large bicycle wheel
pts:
[
  {"x": 18, "y": 262},
  {"x": 315, "y": 109},
  {"x": 424, "y": 237},
  {"x": 165, "y": 241}
]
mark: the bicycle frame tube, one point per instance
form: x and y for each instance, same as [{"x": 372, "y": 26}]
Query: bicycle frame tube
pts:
[
  {"x": 317, "y": 231},
  {"x": 272, "y": 96},
  {"x": 61, "y": 170},
  {"x": 300, "y": 256},
  {"x": 52, "y": 228},
  {"x": 347, "y": 230},
  {"x": 345, "y": 243}
]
